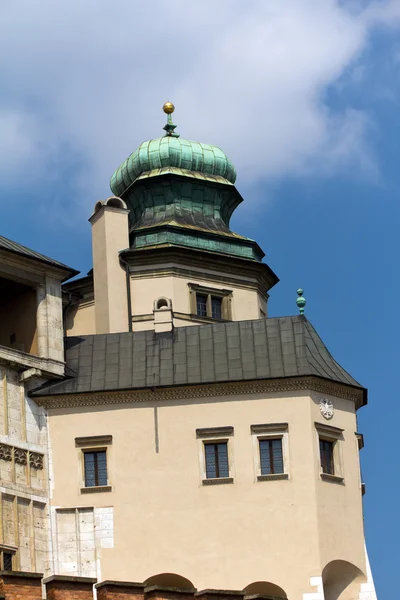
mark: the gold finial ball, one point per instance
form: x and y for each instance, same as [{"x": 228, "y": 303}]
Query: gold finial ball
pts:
[{"x": 168, "y": 108}]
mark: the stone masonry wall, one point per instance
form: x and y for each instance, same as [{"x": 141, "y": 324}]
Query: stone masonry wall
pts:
[{"x": 23, "y": 474}]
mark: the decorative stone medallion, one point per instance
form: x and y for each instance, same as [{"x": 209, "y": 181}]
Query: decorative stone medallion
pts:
[{"x": 326, "y": 408}]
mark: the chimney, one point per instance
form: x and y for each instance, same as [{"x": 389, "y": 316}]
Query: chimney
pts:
[
  {"x": 163, "y": 315},
  {"x": 110, "y": 235}
]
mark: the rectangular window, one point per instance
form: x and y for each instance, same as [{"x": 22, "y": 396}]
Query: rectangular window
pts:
[
  {"x": 7, "y": 561},
  {"x": 210, "y": 303},
  {"x": 326, "y": 453},
  {"x": 201, "y": 302},
  {"x": 271, "y": 456},
  {"x": 216, "y": 454},
  {"x": 95, "y": 468},
  {"x": 216, "y": 307}
]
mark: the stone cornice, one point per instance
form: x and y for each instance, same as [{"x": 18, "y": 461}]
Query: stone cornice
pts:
[
  {"x": 23, "y": 360},
  {"x": 180, "y": 260},
  {"x": 205, "y": 391}
]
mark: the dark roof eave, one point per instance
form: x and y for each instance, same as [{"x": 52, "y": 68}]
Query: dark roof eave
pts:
[
  {"x": 43, "y": 259},
  {"x": 75, "y": 282},
  {"x": 37, "y": 393}
]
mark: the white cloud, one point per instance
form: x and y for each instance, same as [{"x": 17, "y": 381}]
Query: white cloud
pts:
[{"x": 249, "y": 77}]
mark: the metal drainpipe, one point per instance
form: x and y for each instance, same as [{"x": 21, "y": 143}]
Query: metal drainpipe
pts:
[{"x": 128, "y": 291}]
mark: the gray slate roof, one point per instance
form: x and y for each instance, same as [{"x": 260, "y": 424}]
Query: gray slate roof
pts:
[
  {"x": 219, "y": 352},
  {"x": 10, "y": 246}
]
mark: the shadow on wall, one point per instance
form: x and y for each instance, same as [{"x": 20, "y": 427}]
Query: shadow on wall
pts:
[
  {"x": 170, "y": 580},
  {"x": 265, "y": 588},
  {"x": 342, "y": 580}
]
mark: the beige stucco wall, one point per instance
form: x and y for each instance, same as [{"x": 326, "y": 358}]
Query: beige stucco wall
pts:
[
  {"x": 340, "y": 507},
  {"x": 81, "y": 320},
  {"x": 219, "y": 536},
  {"x": 245, "y": 301}
]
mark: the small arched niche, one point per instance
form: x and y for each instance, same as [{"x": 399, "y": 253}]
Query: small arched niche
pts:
[
  {"x": 341, "y": 580},
  {"x": 266, "y": 589},
  {"x": 115, "y": 202},
  {"x": 170, "y": 580},
  {"x": 162, "y": 303}
]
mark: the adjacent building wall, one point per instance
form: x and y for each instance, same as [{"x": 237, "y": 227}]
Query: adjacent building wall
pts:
[{"x": 23, "y": 475}]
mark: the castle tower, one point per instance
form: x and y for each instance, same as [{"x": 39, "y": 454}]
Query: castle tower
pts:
[
  {"x": 195, "y": 442},
  {"x": 180, "y": 196}
]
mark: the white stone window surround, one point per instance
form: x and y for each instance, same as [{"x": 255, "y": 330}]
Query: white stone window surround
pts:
[
  {"x": 272, "y": 431},
  {"x": 94, "y": 443},
  {"x": 209, "y": 435},
  {"x": 334, "y": 435}
]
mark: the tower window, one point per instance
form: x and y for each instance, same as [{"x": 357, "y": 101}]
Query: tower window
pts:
[
  {"x": 210, "y": 303},
  {"x": 95, "y": 468},
  {"x": 326, "y": 453},
  {"x": 201, "y": 304},
  {"x": 216, "y": 455},
  {"x": 216, "y": 307},
  {"x": 271, "y": 456}
]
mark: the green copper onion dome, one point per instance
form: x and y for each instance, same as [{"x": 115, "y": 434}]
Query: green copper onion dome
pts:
[
  {"x": 172, "y": 151},
  {"x": 181, "y": 194}
]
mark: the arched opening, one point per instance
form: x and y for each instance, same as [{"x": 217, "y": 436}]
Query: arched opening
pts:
[
  {"x": 341, "y": 580},
  {"x": 264, "y": 588},
  {"x": 170, "y": 580},
  {"x": 115, "y": 202},
  {"x": 162, "y": 303}
]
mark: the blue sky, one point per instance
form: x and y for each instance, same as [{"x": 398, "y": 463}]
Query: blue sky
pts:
[{"x": 302, "y": 95}]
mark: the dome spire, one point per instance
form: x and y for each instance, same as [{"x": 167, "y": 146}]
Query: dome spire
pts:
[{"x": 169, "y": 108}]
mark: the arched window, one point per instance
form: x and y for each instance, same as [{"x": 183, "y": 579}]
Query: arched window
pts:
[{"x": 162, "y": 303}]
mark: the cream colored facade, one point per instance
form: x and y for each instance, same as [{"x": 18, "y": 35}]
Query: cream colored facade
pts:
[{"x": 285, "y": 532}]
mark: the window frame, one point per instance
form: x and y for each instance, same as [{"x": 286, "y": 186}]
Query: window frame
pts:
[
  {"x": 94, "y": 451},
  {"x": 209, "y": 293},
  {"x": 327, "y": 464},
  {"x": 86, "y": 445},
  {"x": 270, "y": 431},
  {"x": 269, "y": 439},
  {"x": 334, "y": 435},
  {"x": 12, "y": 550},
  {"x": 209, "y": 436},
  {"x": 216, "y": 444}
]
